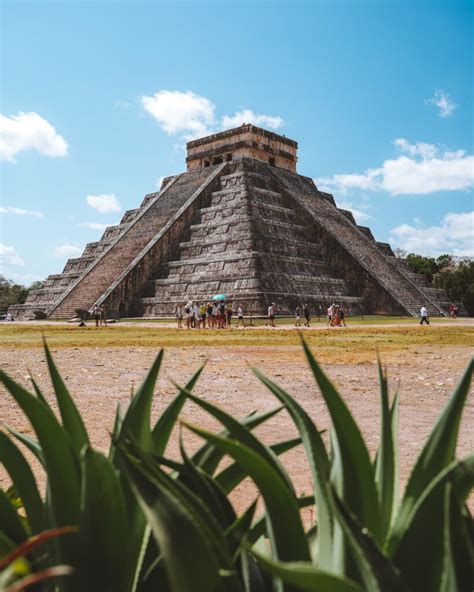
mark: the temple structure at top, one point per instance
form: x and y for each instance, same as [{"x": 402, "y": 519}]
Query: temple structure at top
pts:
[
  {"x": 241, "y": 222},
  {"x": 246, "y": 141}
]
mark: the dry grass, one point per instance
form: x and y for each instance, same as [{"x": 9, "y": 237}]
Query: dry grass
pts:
[{"x": 351, "y": 345}]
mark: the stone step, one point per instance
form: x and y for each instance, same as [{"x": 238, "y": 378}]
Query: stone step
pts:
[{"x": 247, "y": 219}]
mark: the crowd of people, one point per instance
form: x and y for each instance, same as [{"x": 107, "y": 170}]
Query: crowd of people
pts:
[
  {"x": 219, "y": 315},
  {"x": 208, "y": 315}
]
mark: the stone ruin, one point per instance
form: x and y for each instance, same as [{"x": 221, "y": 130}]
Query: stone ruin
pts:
[{"x": 242, "y": 222}]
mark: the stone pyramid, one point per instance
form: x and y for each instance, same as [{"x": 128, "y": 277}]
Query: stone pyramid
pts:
[{"x": 239, "y": 222}]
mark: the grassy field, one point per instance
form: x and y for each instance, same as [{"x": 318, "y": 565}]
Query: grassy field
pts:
[{"x": 355, "y": 344}]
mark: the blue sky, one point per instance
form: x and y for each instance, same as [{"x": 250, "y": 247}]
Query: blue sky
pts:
[{"x": 98, "y": 99}]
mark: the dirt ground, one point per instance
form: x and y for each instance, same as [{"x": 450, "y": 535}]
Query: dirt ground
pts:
[{"x": 99, "y": 378}]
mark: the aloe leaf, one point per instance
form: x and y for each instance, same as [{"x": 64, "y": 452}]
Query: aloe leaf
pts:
[
  {"x": 6, "y": 546},
  {"x": 319, "y": 465},
  {"x": 286, "y": 530},
  {"x": 420, "y": 554},
  {"x": 459, "y": 539},
  {"x": 208, "y": 490},
  {"x": 194, "y": 549},
  {"x": 240, "y": 432},
  {"x": 61, "y": 463},
  {"x": 24, "y": 482},
  {"x": 32, "y": 445},
  {"x": 136, "y": 421},
  {"x": 71, "y": 418},
  {"x": 239, "y": 529},
  {"x": 38, "y": 391},
  {"x": 385, "y": 462},
  {"x": 437, "y": 453},
  {"x": 396, "y": 475},
  {"x": 167, "y": 420},
  {"x": 232, "y": 475},
  {"x": 259, "y": 528},
  {"x": 305, "y": 576},
  {"x": 254, "y": 579},
  {"x": 104, "y": 555},
  {"x": 10, "y": 521},
  {"x": 360, "y": 493},
  {"x": 208, "y": 456},
  {"x": 375, "y": 569}
]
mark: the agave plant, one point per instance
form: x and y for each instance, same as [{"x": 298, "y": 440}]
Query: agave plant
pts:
[
  {"x": 365, "y": 538},
  {"x": 112, "y": 548}
]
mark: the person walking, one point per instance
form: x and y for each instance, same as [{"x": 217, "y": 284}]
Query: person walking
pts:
[
  {"x": 424, "y": 315},
  {"x": 271, "y": 315},
  {"x": 240, "y": 317},
  {"x": 298, "y": 316},
  {"x": 307, "y": 318},
  {"x": 330, "y": 314}
]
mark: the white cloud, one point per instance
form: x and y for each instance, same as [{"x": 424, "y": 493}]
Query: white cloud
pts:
[
  {"x": 248, "y": 116},
  {"x": 428, "y": 168},
  {"x": 66, "y": 250},
  {"x": 9, "y": 258},
  {"x": 20, "y": 212},
  {"x": 444, "y": 103},
  {"x": 359, "y": 215},
  {"x": 104, "y": 203},
  {"x": 454, "y": 235},
  {"x": 194, "y": 116},
  {"x": 29, "y": 131},
  {"x": 95, "y": 225},
  {"x": 181, "y": 112}
]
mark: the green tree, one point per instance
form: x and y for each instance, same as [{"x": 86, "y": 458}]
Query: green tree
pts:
[
  {"x": 428, "y": 266},
  {"x": 11, "y": 293},
  {"x": 459, "y": 284}
]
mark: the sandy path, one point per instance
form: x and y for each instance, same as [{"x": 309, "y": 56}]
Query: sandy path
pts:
[{"x": 100, "y": 378}]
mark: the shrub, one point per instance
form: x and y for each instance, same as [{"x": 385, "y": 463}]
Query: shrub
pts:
[{"x": 365, "y": 538}]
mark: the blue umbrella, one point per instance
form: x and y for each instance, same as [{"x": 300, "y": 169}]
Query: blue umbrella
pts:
[{"x": 219, "y": 297}]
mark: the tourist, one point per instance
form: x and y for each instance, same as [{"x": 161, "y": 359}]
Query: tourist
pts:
[
  {"x": 197, "y": 316},
  {"x": 215, "y": 315},
  {"x": 103, "y": 316},
  {"x": 179, "y": 315},
  {"x": 228, "y": 315},
  {"x": 96, "y": 314},
  {"x": 240, "y": 316},
  {"x": 221, "y": 316},
  {"x": 307, "y": 318},
  {"x": 424, "y": 315},
  {"x": 202, "y": 314},
  {"x": 9, "y": 317},
  {"x": 271, "y": 315},
  {"x": 330, "y": 314},
  {"x": 336, "y": 317},
  {"x": 209, "y": 314},
  {"x": 298, "y": 316},
  {"x": 342, "y": 315},
  {"x": 188, "y": 311}
]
